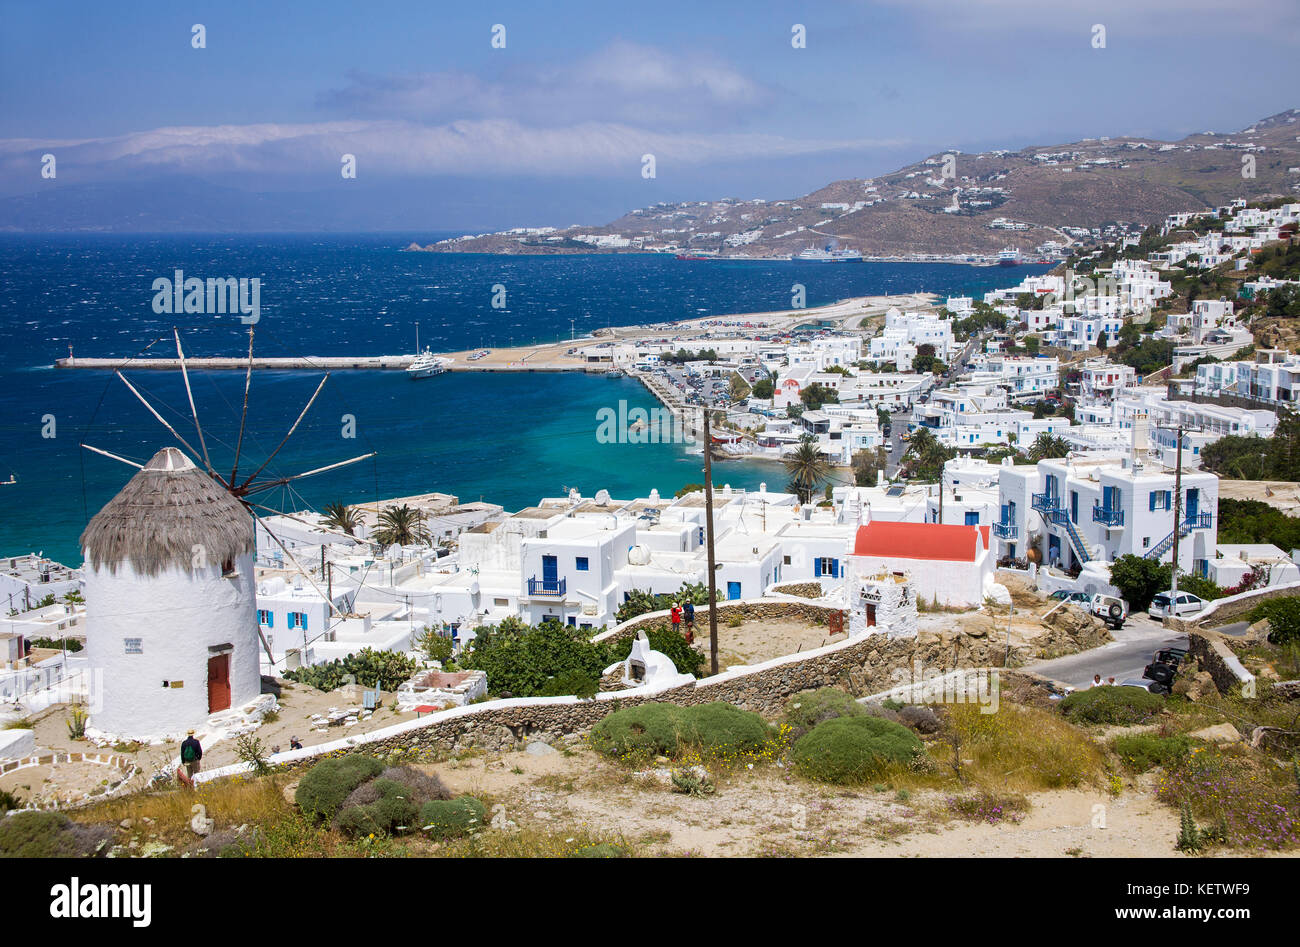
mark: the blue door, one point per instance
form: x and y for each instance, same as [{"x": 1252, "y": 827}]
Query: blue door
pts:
[
  {"x": 1193, "y": 502},
  {"x": 972, "y": 518},
  {"x": 550, "y": 572},
  {"x": 1053, "y": 549},
  {"x": 733, "y": 591}
]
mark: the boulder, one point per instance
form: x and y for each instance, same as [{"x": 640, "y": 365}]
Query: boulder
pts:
[
  {"x": 920, "y": 718},
  {"x": 538, "y": 748},
  {"x": 1219, "y": 733}
]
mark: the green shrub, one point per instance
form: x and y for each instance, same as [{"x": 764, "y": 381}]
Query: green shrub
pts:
[
  {"x": 387, "y": 669},
  {"x": 719, "y": 727},
  {"x": 600, "y": 850},
  {"x": 571, "y": 683},
  {"x": 1139, "y": 752},
  {"x": 9, "y": 800},
  {"x": 659, "y": 729},
  {"x": 853, "y": 749},
  {"x": 35, "y": 834},
  {"x": 1283, "y": 616},
  {"x": 522, "y": 660},
  {"x": 645, "y": 729},
  {"x": 395, "y": 809},
  {"x": 327, "y": 784},
  {"x": 452, "y": 818},
  {"x": 1117, "y": 705},
  {"x": 804, "y": 711}
]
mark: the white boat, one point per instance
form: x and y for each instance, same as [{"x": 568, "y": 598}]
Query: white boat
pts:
[
  {"x": 829, "y": 254},
  {"x": 427, "y": 364}
]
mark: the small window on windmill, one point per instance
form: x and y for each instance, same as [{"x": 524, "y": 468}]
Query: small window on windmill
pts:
[
  {"x": 228, "y": 569},
  {"x": 133, "y": 645}
]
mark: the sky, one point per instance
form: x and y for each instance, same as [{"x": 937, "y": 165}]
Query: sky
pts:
[{"x": 452, "y": 132}]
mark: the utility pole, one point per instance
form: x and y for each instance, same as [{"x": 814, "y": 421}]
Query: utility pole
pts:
[
  {"x": 708, "y": 537},
  {"x": 1178, "y": 509}
]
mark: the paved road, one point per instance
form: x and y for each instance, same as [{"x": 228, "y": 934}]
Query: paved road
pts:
[{"x": 1124, "y": 658}]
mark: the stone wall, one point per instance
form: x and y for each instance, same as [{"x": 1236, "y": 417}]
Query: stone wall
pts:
[
  {"x": 751, "y": 609},
  {"x": 801, "y": 589},
  {"x": 1224, "y": 610},
  {"x": 1213, "y": 655},
  {"x": 863, "y": 666}
]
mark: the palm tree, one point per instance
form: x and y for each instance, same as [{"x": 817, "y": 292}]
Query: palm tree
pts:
[
  {"x": 401, "y": 526},
  {"x": 807, "y": 468},
  {"x": 1047, "y": 446},
  {"x": 922, "y": 442},
  {"x": 338, "y": 515}
]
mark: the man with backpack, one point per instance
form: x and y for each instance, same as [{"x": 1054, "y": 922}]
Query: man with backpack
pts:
[
  {"x": 688, "y": 613},
  {"x": 191, "y": 753}
]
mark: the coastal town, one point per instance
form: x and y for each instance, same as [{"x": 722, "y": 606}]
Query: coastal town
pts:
[{"x": 1044, "y": 485}]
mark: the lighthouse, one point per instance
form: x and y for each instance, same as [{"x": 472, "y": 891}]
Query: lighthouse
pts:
[{"x": 171, "y": 623}]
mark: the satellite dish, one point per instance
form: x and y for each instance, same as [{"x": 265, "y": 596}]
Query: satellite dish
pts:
[{"x": 602, "y": 498}]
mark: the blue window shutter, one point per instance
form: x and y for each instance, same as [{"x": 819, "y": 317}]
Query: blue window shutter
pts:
[
  {"x": 270, "y": 619},
  {"x": 1152, "y": 500},
  {"x": 817, "y": 567},
  {"x": 1169, "y": 499},
  {"x": 835, "y": 568},
  {"x": 304, "y": 621}
]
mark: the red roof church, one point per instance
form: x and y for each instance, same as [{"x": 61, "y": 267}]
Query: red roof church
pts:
[{"x": 946, "y": 563}]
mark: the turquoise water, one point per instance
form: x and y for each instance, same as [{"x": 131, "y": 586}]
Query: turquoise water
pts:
[{"x": 509, "y": 439}]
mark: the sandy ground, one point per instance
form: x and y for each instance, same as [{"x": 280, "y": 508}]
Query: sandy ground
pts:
[
  {"x": 768, "y": 812},
  {"x": 1284, "y": 495},
  {"x": 761, "y": 640}
]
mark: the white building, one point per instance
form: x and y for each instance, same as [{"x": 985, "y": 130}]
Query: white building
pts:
[{"x": 947, "y": 565}]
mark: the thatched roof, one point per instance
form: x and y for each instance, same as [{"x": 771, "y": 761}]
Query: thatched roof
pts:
[{"x": 163, "y": 512}]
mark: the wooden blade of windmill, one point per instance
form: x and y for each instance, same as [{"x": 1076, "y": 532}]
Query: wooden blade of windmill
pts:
[
  {"x": 281, "y": 481},
  {"x": 298, "y": 519},
  {"x": 297, "y": 565},
  {"x": 189, "y": 392},
  {"x": 161, "y": 419},
  {"x": 243, "y": 417},
  {"x": 301, "y": 415},
  {"x": 130, "y": 463}
]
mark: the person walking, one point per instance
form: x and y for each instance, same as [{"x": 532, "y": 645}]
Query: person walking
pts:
[
  {"x": 191, "y": 754},
  {"x": 688, "y": 614},
  {"x": 675, "y": 616}
]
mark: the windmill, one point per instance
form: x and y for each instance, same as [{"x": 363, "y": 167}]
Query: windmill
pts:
[{"x": 245, "y": 488}]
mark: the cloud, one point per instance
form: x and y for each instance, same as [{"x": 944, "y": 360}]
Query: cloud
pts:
[
  {"x": 495, "y": 146},
  {"x": 621, "y": 82}
]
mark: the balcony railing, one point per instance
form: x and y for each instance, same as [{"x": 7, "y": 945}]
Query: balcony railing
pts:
[
  {"x": 555, "y": 587},
  {"x": 1102, "y": 514},
  {"x": 1198, "y": 521},
  {"x": 1005, "y": 530},
  {"x": 1046, "y": 502}
]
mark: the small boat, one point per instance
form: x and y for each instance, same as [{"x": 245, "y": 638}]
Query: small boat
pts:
[
  {"x": 13, "y": 478},
  {"x": 614, "y": 373}
]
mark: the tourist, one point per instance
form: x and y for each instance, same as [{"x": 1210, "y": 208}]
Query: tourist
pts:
[
  {"x": 688, "y": 613},
  {"x": 1096, "y": 681},
  {"x": 295, "y": 743},
  {"x": 191, "y": 754},
  {"x": 1110, "y": 682},
  {"x": 675, "y": 616}
]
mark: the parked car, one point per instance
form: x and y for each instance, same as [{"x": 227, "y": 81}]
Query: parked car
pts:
[
  {"x": 1079, "y": 597},
  {"x": 1164, "y": 668},
  {"x": 1110, "y": 609},
  {"x": 1146, "y": 685},
  {"x": 1163, "y": 607}
]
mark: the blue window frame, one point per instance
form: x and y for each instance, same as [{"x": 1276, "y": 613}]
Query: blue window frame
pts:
[
  {"x": 581, "y": 565},
  {"x": 298, "y": 620},
  {"x": 265, "y": 618}
]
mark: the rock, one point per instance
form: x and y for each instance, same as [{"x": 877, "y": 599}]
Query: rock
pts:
[
  {"x": 125, "y": 825},
  {"x": 1287, "y": 690},
  {"x": 1200, "y": 686},
  {"x": 538, "y": 748},
  {"x": 919, "y": 718},
  {"x": 1219, "y": 733}
]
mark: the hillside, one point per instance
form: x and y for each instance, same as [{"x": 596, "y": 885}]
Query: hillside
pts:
[{"x": 1068, "y": 193}]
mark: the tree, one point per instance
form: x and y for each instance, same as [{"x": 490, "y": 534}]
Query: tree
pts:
[
  {"x": 816, "y": 395},
  {"x": 401, "y": 526},
  {"x": 689, "y": 488},
  {"x": 1102, "y": 339},
  {"x": 807, "y": 468},
  {"x": 1048, "y": 446},
  {"x": 764, "y": 388},
  {"x": 1139, "y": 579},
  {"x": 866, "y": 466},
  {"x": 338, "y": 515}
]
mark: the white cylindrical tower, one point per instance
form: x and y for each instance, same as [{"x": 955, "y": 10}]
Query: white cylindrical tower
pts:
[{"x": 171, "y": 623}]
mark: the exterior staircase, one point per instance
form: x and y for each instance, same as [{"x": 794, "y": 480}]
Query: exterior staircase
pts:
[
  {"x": 1195, "y": 521},
  {"x": 1049, "y": 505}
]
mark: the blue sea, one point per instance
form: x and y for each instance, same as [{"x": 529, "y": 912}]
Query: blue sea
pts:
[{"x": 508, "y": 439}]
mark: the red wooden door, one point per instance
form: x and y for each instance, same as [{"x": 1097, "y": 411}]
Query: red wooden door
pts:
[{"x": 218, "y": 683}]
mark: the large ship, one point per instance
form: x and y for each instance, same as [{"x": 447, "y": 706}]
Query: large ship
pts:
[
  {"x": 828, "y": 254},
  {"x": 1009, "y": 256},
  {"x": 698, "y": 255}
]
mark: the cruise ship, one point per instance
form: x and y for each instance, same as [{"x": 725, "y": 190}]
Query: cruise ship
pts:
[
  {"x": 427, "y": 364},
  {"x": 1009, "y": 256},
  {"x": 828, "y": 254}
]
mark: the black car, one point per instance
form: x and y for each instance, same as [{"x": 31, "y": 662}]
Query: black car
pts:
[{"x": 1164, "y": 668}]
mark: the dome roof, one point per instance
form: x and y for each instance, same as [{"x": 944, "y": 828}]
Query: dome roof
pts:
[{"x": 163, "y": 512}]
